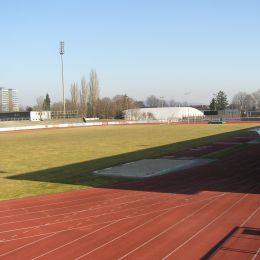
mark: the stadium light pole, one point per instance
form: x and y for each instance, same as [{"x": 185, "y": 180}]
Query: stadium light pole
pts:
[{"x": 62, "y": 76}]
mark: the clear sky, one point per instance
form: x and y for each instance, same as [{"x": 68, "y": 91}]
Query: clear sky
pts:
[{"x": 138, "y": 47}]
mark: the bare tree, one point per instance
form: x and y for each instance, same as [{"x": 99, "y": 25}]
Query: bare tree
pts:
[
  {"x": 139, "y": 104},
  {"x": 153, "y": 101},
  {"x": 245, "y": 102},
  {"x": 239, "y": 100},
  {"x": 256, "y": 97},
  {"x": 69, "y": 105},
  {"x": 93, "y": 92},
  {"x": 84, "y": 95},
  {"x": 104, "y": 109},
  {"x": 119, "y": 104},
  {"x": 74, "y": 92},
  {"x": 250, "y": 103},
  {"x": 57, "y": 106},
  {"x": 39, "y": 103}
]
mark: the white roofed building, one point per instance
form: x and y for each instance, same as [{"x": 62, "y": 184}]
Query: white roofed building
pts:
[{"x": 163, "y": 113}]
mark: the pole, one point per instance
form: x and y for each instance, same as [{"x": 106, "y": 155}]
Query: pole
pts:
[
  {"x": 63, "y": 92},
  {"x": 62, "y": 77}
]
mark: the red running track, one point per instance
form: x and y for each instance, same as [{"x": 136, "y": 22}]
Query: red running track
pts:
[{"x": 183, "y": 215}]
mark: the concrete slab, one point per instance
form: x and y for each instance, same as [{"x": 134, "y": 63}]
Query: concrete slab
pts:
[
  {"x": 255, "y": 141},
  {"x": 151, "y": 167},
  {"x": 256, "y": 130}
]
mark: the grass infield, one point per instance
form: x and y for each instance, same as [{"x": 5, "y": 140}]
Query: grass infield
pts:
[{"x": 51, "y": 161}]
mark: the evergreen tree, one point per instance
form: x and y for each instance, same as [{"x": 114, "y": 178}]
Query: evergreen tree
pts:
[
  {"x": 213, "y": 105},
  {"x": 47, "y": 103},
  {"x": 221, "y": 101}
]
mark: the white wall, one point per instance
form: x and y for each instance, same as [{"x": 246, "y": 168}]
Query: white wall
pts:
[{"x": 40, "y": 115}]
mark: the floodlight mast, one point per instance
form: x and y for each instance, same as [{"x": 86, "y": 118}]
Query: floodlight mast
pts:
[{"x": 62, "y": 77}]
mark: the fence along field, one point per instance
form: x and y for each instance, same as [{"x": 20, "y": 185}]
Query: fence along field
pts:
[{"x": 44, "y": 162}]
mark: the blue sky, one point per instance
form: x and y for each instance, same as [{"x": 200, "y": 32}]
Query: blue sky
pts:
[{"x": 138, "y": 47}]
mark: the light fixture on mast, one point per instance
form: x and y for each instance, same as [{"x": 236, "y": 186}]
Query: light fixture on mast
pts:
[{"x": 62, "y": 77}]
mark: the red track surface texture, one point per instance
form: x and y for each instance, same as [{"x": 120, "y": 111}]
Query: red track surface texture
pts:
[{"x": 186, "y": 215}]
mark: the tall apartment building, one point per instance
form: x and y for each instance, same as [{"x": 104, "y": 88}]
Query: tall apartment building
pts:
[{"x": 8, "y": 100}]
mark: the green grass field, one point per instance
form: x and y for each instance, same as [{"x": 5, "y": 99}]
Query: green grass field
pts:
[{"x": 51, "y": 161}]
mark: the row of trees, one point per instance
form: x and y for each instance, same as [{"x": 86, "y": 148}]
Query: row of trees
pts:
[
  {"x": 153, "y": 101},
  {"x": 242, "y": 101},
  {"x": 247, "y": 102},
  {"x": 85, "y": 98}
]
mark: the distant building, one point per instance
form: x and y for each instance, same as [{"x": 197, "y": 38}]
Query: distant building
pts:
[
  {"x": 8, "y": 100},
  {"x": 40, "y": 115},
  {"x": 163, "y": 113},
  {"x": 4, "y": 100}
]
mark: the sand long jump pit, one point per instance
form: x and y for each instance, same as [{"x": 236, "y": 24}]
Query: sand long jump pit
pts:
[{"x": 152, "y": 167}]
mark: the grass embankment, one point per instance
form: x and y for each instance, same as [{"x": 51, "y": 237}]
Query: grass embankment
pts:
[{"x": 43, "y": 162}]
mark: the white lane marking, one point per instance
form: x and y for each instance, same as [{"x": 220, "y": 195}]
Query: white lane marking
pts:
[
  {"x": 146, "y": 222},
  {"x": 47, "y": 210},
  {"x": 83, "y": 210},
  {"x": 53, "y": 197},
  {"x": 148, "y": 241},
  {"x": 111, "y": 223},
  {"x": 255, "y": 211},
  {"x": 127, "y": 217},
  {"x": 256, "y": 254},
  {"x": 258, "y": 251},
  {"x": 55, "y": 221},
  {"x": 18, "y": 248},
  {"x": 202, "y": 229},
  {"x": 21, "y": 238},
  {"x": 99, "y": 207}
]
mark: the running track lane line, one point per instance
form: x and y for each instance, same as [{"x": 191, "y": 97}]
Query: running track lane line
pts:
[
  {"x": 256, "y": 254},
  {"x": 148, "y": 241},
  {"x": 167, "y": 199},
  {"x": 214, "y": 220},
  {"x": 241, "y": 225},
  {"x": 126, "y": 232},
  {"x": 64, "y": 202},
  {"x": 72, "y": 213},
  {"x": 101, "y": 205},
  {"x": 79, "y": 219},
  {"x": 103, "y": 223},
  {"x": 124, "y": 218},
  {"x": 154, "y": 196},
  {"x": 7, "y": 253},
  {"x": 147, "y": 223}
]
